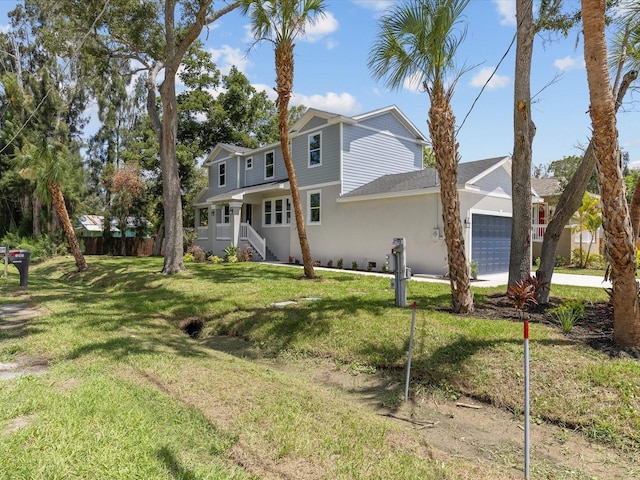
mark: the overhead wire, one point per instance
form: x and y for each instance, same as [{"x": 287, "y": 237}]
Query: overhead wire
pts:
[{"x": 64, "y": 68}]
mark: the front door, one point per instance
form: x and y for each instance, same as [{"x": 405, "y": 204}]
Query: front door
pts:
[{"x": 248, "y": 213}]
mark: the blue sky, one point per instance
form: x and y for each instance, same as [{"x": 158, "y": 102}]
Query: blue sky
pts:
[{"x": 331, "y": 73}]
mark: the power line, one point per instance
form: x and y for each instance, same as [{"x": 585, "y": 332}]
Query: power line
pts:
[{"x": 66, "y": 65}]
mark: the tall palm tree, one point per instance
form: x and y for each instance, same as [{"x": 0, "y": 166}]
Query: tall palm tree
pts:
[
  {"x": 45, "y": 164},
  {"x": 281, "y": 22},
  {"x": 618, "y": 234},
  {"x": 417, "y": 41}
]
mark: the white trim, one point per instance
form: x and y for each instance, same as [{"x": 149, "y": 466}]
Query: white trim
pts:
[
  {"x": 309, "y": 193},
  {"x": 309, "y": 137},
  {"x": 493, "y": 167},
  {"x": 285, "y": 200},
  {"x": 318, "y": 186},
  {"x": 273, "y": 173},
  {"x": 224, "y": 174}
]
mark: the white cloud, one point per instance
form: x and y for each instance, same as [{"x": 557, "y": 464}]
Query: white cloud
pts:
[
  {"x": 343, "y": 103},
  {"x": 497, "y": 81},
  {"x": 377, "y": 5},
  {"x": 507, "y": 11},
  {"x": 227, "y": 56},
  {"x": 5, "y": 28},
  {"x": 325, "y": 24},
  {"x": 568, "y": 63},
  {"x": 413, "y": 83}
]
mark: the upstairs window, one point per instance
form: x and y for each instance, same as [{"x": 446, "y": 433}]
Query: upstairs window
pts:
[
  {"x": 222, "y": 174},
  {"x": 315, "y": 157},
  {"x": 269, "y": 165}
]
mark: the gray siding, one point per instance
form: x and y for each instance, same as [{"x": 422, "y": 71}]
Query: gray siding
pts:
[
  {"x": 387, "y": 122},
  {"x": 313, "y": 124},
  {"x": 369, "y": 155},
  {"x": 498, "y": 178},
  {"x": 231, "y": 176},
  {"x": 329, "y": 170}
]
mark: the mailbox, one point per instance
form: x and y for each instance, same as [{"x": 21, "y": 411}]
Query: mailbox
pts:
[{"x": 20, "y": 258}]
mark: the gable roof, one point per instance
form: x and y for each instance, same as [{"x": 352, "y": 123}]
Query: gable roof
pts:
[
  {"x": 231, "y": 149},
  {"x": 422, "y": 180},
  {"x": 333, "y": 118},
  {"x": 545, "y": 187}
]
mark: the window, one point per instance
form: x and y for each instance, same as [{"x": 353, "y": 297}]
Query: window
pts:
[
  {"x": 268, "y": 165},
  {"x": 204, "y": 217},
  {"x": 315, "y": 158},
  {"x": 249, "y": 163},
  {"x": 226, "y": 214},
  {"x": 314, "y": 207},
  {"x": 222, "y": 174},
  {"x": 277, "y": 211}
]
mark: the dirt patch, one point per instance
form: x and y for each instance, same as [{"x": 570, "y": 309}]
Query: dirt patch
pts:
[
  {"x": 13, "y": 321},
  {"x": 17, "y": 423},
  {"x": 595, "y": 328},
  {"x": 486, "y": 436}
]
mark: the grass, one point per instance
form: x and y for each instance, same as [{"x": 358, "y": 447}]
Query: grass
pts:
[{"x": 129, "y": 396}]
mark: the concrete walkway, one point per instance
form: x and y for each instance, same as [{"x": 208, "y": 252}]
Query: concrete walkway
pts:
[{"x": 494, "y": 280}]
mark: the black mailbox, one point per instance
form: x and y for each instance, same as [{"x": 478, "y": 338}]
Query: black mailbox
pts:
[{"x": 20, "y": 258}]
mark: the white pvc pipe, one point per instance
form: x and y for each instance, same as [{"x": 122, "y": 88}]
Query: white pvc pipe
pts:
[
  {"x": 526, "y": 400},
  {"x": 413, "y": 324}
]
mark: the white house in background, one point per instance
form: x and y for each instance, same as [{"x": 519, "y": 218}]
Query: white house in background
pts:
[
  {"x": 362, "y": 184},
  {"x": 548, "y": 191}
]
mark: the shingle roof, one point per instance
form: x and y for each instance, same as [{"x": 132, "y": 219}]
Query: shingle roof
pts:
[
  {"x": 421, "y": 179},
  {"x": 546, "y": 186}
]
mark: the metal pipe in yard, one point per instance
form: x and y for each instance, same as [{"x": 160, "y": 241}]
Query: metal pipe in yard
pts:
[
  {"x": 413, "y": 325},
  {"x": 526, "y": 400}
]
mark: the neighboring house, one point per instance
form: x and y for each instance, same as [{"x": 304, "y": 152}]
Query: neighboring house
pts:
[
  {"x": 93, "y": 226},
  {"x": 362, "y": 185},
  {"x": 548, "y": 192}
]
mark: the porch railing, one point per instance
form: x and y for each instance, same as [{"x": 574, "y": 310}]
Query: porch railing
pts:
[
  {"x": 203, "y": 233},
  {"x": 223, "y": 231},
  {"x": 259, "y": 244},
  {"x": 537, "y": 232}
]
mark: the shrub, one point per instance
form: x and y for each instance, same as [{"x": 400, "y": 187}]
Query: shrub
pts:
[
  {"x": 524, "y": 294},
  {"x": 188, "y": 258},
  {"x": 292, "y": 259},
  {"x": 197, "y": 252},
  {"x": 232, "y": 259},
  {"x": 597, "y": 261},
  {"x": 354, "y": 265},
  {"x": 215, "y": 259},
  {"x": 329, "y": 263},
  {"x": 567, "y": 314},
  {"x": 561, "y": 261},
  {"x": 340, "y": 263},
  {"x": 41, "y": 248},
  {"x": 245, "y": 255},
  {"x": 473, "y": 269},
  {"x": 230, "y": 251},
  {"x": 316, "y": 263}
]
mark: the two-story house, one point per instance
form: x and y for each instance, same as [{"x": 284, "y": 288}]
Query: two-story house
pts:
[{"x": 362, "y": 184}]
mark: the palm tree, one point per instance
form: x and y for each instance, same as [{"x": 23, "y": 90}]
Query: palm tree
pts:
[
  {"x": 45, "y": 164},
  {"x": 281, "y": 22},
  {"x": 618, "y": 234},
  {"x": 417, "y": 41},
  {"x": 585, "y": 217}
]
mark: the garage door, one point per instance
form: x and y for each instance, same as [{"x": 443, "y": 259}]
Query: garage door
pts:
[{"x": 490, "y": 243}]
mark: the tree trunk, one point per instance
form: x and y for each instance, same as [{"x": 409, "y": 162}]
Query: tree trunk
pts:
[
  {"x": 284, "y": 84},
  {"x": 569, "y": 202},
  {"x": 634, "y": 210},
  {"x": 171, "y": 195},
  {"x": 523, "y": 133},
  {"x": 58, "y": 203},
  {"x": 445, "y": 148},
  {"x": 157, "y": 245},
  {"x": 35, "y": 212},
  {"x": 618, "y": 234}
]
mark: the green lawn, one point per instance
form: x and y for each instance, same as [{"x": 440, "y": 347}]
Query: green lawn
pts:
[{"x": 128, "y": 395}]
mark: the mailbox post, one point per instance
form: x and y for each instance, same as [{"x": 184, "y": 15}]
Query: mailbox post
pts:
[
  {"x": 20, "y": 258},
  {"x": 401, "y": 272}
]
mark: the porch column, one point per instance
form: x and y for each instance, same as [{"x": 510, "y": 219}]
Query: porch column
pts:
[
  {"x": 197, "y": 219},
  {"x": 235, "y": 208}
]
